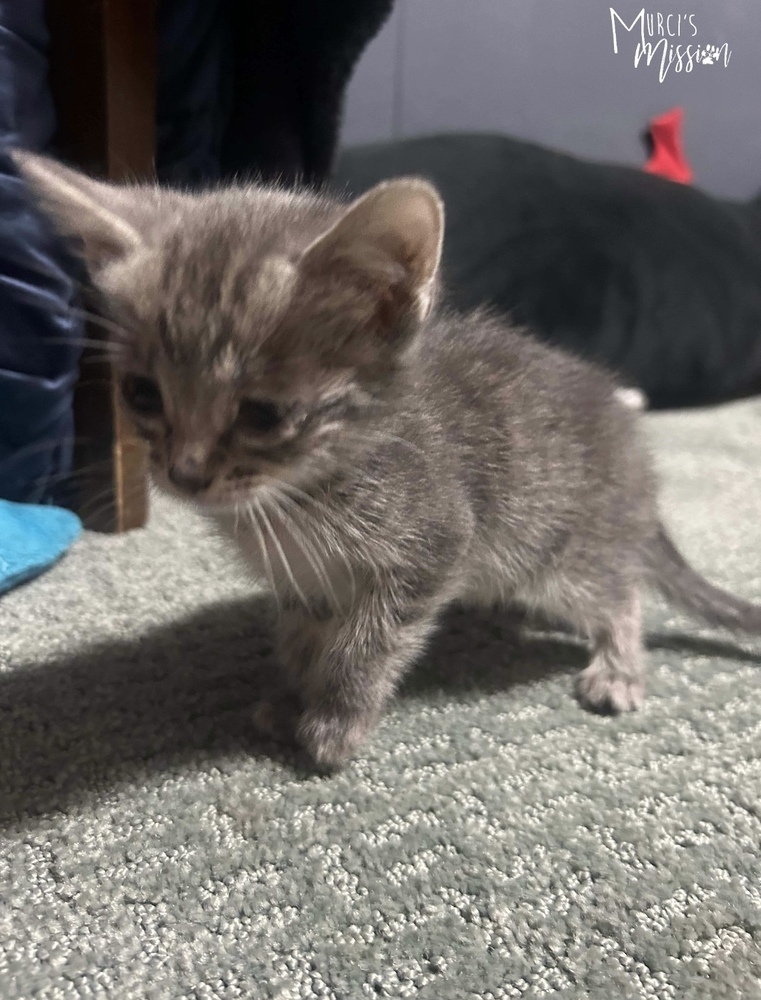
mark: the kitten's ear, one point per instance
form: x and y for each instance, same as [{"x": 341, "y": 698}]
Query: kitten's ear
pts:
[
  {"x": 393, "y": 236},
  {"x": 109, "y": 220}
]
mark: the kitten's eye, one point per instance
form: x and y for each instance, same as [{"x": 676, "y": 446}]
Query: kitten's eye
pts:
[
  {"x": 259, "y": 415},
  {"x": 143, "y": 395}
]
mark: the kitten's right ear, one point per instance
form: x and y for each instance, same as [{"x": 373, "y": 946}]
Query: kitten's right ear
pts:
[{"x": 109, "y": 220}]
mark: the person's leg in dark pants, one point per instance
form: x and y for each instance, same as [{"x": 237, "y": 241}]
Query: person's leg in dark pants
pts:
[{"x": 40, "y": 338}]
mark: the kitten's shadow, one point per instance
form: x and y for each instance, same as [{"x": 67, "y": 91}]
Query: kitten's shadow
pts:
[
  {"x": 489, "y": 651},
  {"x": 125, "y": 710}
]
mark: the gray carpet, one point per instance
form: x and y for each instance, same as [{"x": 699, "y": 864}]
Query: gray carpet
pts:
[{"x": 493, "y": 840}]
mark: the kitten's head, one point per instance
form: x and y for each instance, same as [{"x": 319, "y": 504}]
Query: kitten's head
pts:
[{"x": 259, "y": 330}]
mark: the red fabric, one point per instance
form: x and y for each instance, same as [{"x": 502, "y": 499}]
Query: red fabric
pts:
[{"x": 668, "y": 158}]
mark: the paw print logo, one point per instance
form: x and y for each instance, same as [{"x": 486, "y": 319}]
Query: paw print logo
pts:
[{"x": 709, "y": 56}]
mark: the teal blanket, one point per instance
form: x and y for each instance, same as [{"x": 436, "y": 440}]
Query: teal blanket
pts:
[{"x": 32, "y": 538}]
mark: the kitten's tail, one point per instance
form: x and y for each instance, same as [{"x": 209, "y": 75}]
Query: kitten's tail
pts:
[{"x": 685, "y": 587}]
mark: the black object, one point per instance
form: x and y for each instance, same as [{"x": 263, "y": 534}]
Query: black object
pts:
[
  {"x": 255, "y": 87},
  {"x": 656, "y": 280}
]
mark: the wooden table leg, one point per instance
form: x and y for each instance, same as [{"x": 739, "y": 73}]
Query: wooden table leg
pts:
[{"x": 103, "y": 57}]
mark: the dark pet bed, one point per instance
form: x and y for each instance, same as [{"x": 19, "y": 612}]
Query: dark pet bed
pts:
[{"x": 657, "y": 280}]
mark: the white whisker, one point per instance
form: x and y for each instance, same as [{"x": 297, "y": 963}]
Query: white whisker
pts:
[
  {"x": 266, "y": 561},
  {"x": 281, "y": 553},
  {"x": 383, "y": 437},
  {"x": 332, "y": 543},
  {"x": 308, "y": 550}
]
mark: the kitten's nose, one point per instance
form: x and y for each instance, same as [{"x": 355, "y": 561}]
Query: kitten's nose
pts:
[{"x": 188, "y": 475}]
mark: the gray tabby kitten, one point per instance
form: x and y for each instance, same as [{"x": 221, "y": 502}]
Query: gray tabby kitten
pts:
[{"x": 376, "y": 459}]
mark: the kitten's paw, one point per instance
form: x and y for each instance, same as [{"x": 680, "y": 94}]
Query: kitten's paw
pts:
[
  {"x": 275, "y": 718},
  {"x": 330, "y": 739},
  {"x": 605, "y": 690}
]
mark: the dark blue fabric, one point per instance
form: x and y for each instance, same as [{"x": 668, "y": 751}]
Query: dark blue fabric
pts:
[{"x": 39, "y": 336}]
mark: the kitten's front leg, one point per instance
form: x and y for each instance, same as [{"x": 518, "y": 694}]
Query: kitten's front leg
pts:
[{"x": 347, "y": 668}]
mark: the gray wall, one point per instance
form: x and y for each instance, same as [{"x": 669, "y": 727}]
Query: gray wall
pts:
[{"x": 546, "y": 70}]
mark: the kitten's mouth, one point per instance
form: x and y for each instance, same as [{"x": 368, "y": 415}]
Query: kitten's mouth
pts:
[
  {"x": 227, "y": 496},
  {"x": 224, "y": 494},
  {"x": 212, "y": 498}
]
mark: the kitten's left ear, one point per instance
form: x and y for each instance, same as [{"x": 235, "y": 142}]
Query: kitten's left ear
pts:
[{"x": 392, "y": 236}]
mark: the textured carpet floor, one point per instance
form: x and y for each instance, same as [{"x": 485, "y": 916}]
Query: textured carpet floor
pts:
[{"x": 493, "y": 840}]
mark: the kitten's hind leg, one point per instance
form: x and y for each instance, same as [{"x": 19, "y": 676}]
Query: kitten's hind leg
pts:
[{"x": 615, "y": 679}]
